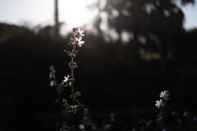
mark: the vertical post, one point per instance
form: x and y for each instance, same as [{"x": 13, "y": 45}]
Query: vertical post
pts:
[{"x": 56, "y": 19}]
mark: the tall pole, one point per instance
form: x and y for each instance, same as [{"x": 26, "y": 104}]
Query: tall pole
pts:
[{"x": 56, "y": 19}]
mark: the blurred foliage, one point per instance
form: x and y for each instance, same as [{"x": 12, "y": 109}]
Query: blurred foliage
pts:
[{"x": 149, "y": 25}]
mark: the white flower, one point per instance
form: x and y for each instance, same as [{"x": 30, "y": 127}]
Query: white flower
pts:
[
  {"x": 52, "y": 83},
  {"x": 81, "y": 32},
  {"x": 165, "y": 95},
  {"x": 81, "y": 126},
  {"x": 78, "y": 35},
  {"x": 78, "y": 32},
  {"x": 66, "y": 78},
  {"x": 79, "y": 41},
  {"x": 159, "y": 103}
]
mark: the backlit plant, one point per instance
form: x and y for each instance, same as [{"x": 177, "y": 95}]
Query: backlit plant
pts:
[{"x": 68, "y": 95}]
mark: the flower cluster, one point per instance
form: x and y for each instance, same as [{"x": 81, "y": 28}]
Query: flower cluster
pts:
[
  {"x": 164, "y": 97},
  {"x": 77, "y": 39},
  {"x": 69, "y": 100}
]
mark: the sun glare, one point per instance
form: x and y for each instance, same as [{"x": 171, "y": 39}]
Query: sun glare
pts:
[{"x": 76, "y": 12}]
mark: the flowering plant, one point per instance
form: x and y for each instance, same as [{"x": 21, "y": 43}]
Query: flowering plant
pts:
[{"x": 68, "y": 94}]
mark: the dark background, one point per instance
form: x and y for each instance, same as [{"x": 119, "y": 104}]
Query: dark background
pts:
[{"x": 111, "y": 75}]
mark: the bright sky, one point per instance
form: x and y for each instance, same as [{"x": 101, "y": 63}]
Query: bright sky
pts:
[
  {"x": 191, "y": 16},
  {"x": 72, "y": 12},
  {"x": 33, "y": 12}
]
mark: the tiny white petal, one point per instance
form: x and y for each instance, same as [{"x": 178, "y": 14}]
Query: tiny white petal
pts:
[
  {"x": 159, "y": 103},
  {"x": 66, "y": 78}
]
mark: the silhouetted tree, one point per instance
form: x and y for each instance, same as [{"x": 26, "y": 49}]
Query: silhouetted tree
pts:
[{"x": 151, "y": 24}]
